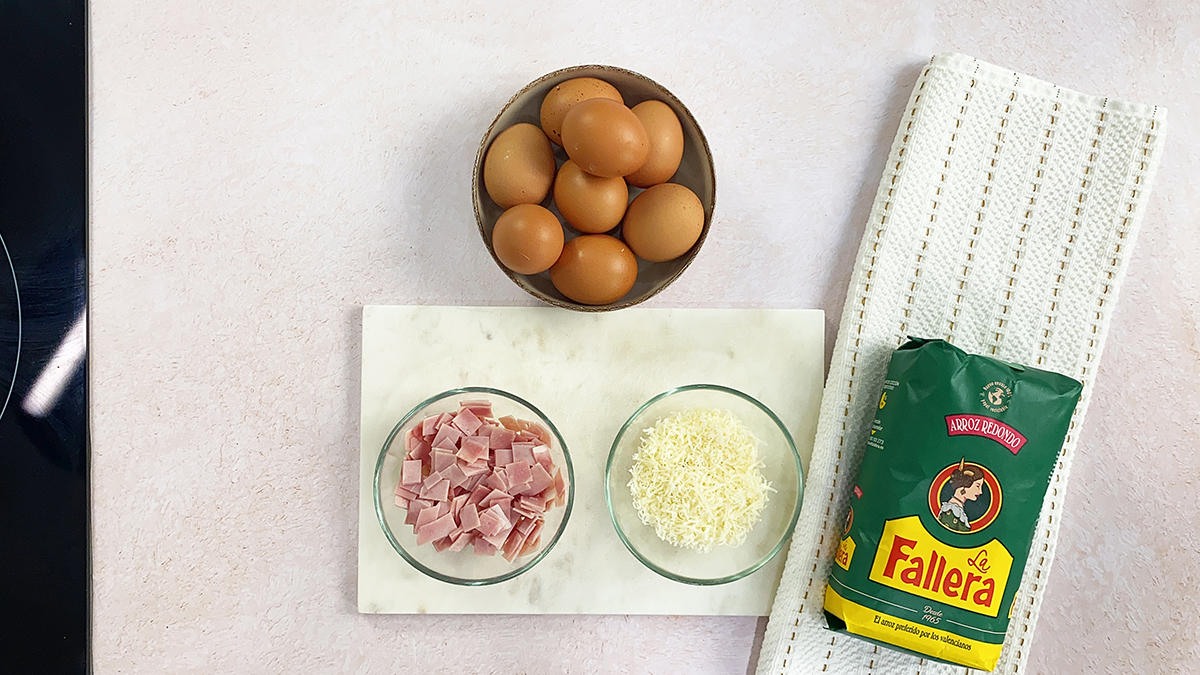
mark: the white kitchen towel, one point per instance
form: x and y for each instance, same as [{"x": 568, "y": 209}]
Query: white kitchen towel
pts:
[{"x": 1004, "y": 223}]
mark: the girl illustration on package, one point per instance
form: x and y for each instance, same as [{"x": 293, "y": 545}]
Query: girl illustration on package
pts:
[{"x": 966, "y": 484}]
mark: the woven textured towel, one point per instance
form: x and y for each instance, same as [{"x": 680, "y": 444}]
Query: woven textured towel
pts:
[{"x": 1004, "y": 222}]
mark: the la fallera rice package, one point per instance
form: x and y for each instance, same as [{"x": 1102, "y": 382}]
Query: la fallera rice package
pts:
[{"x": 946, "y": 500}]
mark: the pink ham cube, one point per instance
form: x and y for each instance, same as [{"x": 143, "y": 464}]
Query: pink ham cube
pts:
[
  {"x": 502, "y": 438},
  {"x": 468, "y": 517},
  {"x": 442, "y": 459},
  {"x": 420, "y": 452},
  {"x": 478, "y": 493},
  {"x": 455, "y": 475},
  {"x": 523, "y": 452},
  {"x": 429, "y": 425},
  {"x": 492, "y": 521},
  {"x": 481, "y": 408},
  {"x": 541, "y": 454},
  {"x": 438, "y": 492},
  {"x": 503, "y": 456},
  {"x": 447, "y": 437},
  {"x": 482, "y": 547},
  {"x": 410, "y": 472},
  {"x": 467, "y": 422},
  {"x": 460, "y": 542},
  {"x": 427, "y": 516},
  {"x": 541, "y": 480},
  {"x": 518, "y": 473},
  {"x": 435, "y": 530},
  {"x": 473, "y": 449}
]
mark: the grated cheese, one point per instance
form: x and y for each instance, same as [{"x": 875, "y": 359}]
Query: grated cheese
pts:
[{"x": 697, "y": 479}]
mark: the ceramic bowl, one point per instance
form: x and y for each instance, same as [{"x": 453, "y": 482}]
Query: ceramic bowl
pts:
[
  {"x": 781, "y": 468},
  {"x": 464, "y": 567},
  {"x": 695, "y": 172}
]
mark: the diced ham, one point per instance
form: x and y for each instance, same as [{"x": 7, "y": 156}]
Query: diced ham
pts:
[
  {"x": 468, "y": 479},
  {"x": 478, "y": 493},
  {"x": 410, "y": 472},
  {"x": 467, "y": 422},
  {"x": 432, "y": 479},
  {"x": 427, "y": 516},
  {"x": 474, "y": 481},
  {"x": 541, "y": 479},
  {"x": 435, "y": 530},
  {"x": 541, "y": 454},
  {"x": 442, "y": 460},
  {"x": 468, "y": 517},
  {"x": 523, "y": 452},
  {"x": 502, "y": 438},
  {"x": 518, "y": 473},
  {"x": 541, "y": 432},
  {"x": 496, "y": 480},
  {"x": 447, "y": 437},
  {"x": 481, "y": 409},
  {"x": 460, "y": 542},
  {"x": 455, "y": 475},
  {"x": 473, "y": 449},
  {"x": 492, "y": 520},
  {"x": 473, "y": 469},
  {"x": 494, "y": 497},
  {"x": 497, "y": 539},
  {"x": 503, "y": 456}
]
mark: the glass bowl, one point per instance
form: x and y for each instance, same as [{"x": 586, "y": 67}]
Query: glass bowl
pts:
[
  {"x": 464, "y": 567},
  {"x": 781, "y": 468}
]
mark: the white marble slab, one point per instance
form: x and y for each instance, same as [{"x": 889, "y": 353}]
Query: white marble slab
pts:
[{"x": 588, "y": 373}]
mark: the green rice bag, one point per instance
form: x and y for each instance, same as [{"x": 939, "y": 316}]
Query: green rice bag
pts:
[{"x": 944, "y": 507}]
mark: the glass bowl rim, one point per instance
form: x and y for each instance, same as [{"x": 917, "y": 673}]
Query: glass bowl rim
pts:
[
  {"x": 699, "y": 581},
  {"x": 391, "y": 537}
]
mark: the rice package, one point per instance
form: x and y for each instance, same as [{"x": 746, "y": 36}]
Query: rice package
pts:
[{"x": 945, "y": 503}]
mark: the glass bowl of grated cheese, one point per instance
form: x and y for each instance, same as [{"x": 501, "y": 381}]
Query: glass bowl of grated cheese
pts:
[{"x": 704, "y": 484}]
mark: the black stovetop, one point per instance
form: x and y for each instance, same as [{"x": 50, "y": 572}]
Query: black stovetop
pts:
[{"x": 44, "y": 502}]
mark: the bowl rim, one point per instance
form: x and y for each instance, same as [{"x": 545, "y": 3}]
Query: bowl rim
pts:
[
  {"x": 458, "y": 581},
  {"x": 476, "y": 185},
  {"x": 701, "y": 581}
]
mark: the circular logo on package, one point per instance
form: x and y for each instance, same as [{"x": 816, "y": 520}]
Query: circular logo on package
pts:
[
  {"x": 965, "y": 497},
  {"x": 848, "y": 524},
  {"x": 995, "y": 396}
]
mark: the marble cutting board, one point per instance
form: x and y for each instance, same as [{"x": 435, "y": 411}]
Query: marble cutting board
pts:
[{"x": 587, "y": 373}]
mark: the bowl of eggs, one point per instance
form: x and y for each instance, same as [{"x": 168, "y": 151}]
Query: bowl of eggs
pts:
[{"x": 594, "y": 188}]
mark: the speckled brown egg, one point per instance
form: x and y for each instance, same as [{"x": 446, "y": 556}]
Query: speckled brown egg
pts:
[
  {"x": 519, "y": 167},
  {"x": 594, "y": 269},
  {"x": 527, "y": 238},
  {"x": 589, "y": 203},
  {"x": 666, "y": 144},
  {"x": 605, "y": 138},
  {"x": 564, "y": 95},
  {"x": 663, "y": 222}
]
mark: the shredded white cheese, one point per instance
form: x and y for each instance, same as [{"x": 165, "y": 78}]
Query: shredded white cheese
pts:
[{"x": 697, "y": 479}]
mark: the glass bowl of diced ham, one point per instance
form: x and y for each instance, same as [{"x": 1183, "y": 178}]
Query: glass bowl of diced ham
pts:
[{"x": 474, "y": 486}]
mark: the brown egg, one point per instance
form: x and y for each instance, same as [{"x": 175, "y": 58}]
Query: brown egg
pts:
[
  {"x": 527, "y": 238},
  {"x": 566, "y": 94},
  {"x": 663, "y": 222},
  {"x": 594, "y": 269},
  {"x": 605, "y": 138},
  {"x": 589, "y": 203},
  {"x": 519, "y": 167},
  {"x": 666, "y": 144}
]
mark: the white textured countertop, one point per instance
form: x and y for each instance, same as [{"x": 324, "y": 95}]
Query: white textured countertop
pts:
[{"x": 262, "y": 170}]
